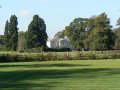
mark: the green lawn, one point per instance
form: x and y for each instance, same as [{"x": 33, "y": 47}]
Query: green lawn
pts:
[{"x": 61, "y": 75}]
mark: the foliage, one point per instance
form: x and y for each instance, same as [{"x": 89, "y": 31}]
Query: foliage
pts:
[
  {"x": 117, "y": 34},
  {"x": 76, "y": 32},
  {"x": 21, "y": 41},
  {"x": 11, "y": 33},
  {"x": 13, "y": 30},
  {"x": 36, "y": 34},
  {"x": 94, "y": 33},
  {"x": 35, "y": 50},
  {"x": 57, "y": 49},
  {"x": 54, "y": 56},
  {"x": 6, "y": 35},
  {"x": 59, "y": 34},
  {"x": 103, "y": 34},
  {"x": 118, "y": 22}
]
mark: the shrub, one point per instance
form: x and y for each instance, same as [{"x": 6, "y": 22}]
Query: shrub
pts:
[
  {"x": 91, "y": 56},
  {"x": 67, "y": 57},
  {"x": 52, "y": 56},
  {"x": 79, "y": 56}
]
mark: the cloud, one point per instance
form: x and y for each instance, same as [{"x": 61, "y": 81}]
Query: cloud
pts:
[{"x": 24, "y": 13}]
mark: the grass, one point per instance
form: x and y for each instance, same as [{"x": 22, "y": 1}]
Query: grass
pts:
[{"x": 61, "y": 75}]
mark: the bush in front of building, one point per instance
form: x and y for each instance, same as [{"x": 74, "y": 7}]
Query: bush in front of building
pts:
[{"x": 57, "y": 50}]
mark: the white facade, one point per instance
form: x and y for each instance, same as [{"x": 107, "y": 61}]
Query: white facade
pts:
[
  {"x": 48, "y": 44},
  {"x": 59, "y": 43}
]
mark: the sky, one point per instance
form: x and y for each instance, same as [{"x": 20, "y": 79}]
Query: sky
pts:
[{"x": 57, "y": 14}]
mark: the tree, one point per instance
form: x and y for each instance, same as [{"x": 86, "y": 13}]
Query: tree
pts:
[
  {"x": 11, "y": 33},
  {"x": 102, "y": 36},
  {"x": 118, "y": 22},
  {"x": 6, "y": 35},
  {"x": 36, "y": 34},
  {"x": 21, "y": 41},
  {"x": 93, "y": 33},
  {"x": 117, "y": 40},
  {"x": 117, "y": 34},
  {"x": 2, "y": 42},
  {"x": 90, "y": 25},
  {"x": 59, "y": 34},
  {"x": 76, "y": 32}
]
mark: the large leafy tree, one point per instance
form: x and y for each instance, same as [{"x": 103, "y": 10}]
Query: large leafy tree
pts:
[
  {"x": 76, "y": 32},
  {"x": 94, "y": 33},
  {"x": 102, "y": 36},
  {"x": 11, "y": 33},
  {"x": 36, "y": 34}
]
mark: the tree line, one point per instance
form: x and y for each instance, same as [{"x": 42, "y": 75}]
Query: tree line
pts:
[
  {"x": 94, "y": 33},
  {"x": 33, "y": 39}
]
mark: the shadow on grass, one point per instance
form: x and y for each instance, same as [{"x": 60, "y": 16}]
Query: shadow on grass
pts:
[
  {"x": 36, "y": 78},
  {"x": 42, "y": 65}
]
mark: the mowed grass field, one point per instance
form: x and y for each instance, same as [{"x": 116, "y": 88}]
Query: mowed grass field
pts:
[{"x": 61, "y": 75}]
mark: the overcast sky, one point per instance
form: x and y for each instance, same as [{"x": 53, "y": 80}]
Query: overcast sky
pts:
[{"x": 56, "y": 13}]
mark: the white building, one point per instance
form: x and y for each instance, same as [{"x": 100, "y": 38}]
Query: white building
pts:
[{"x": 59, "y": 43}]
